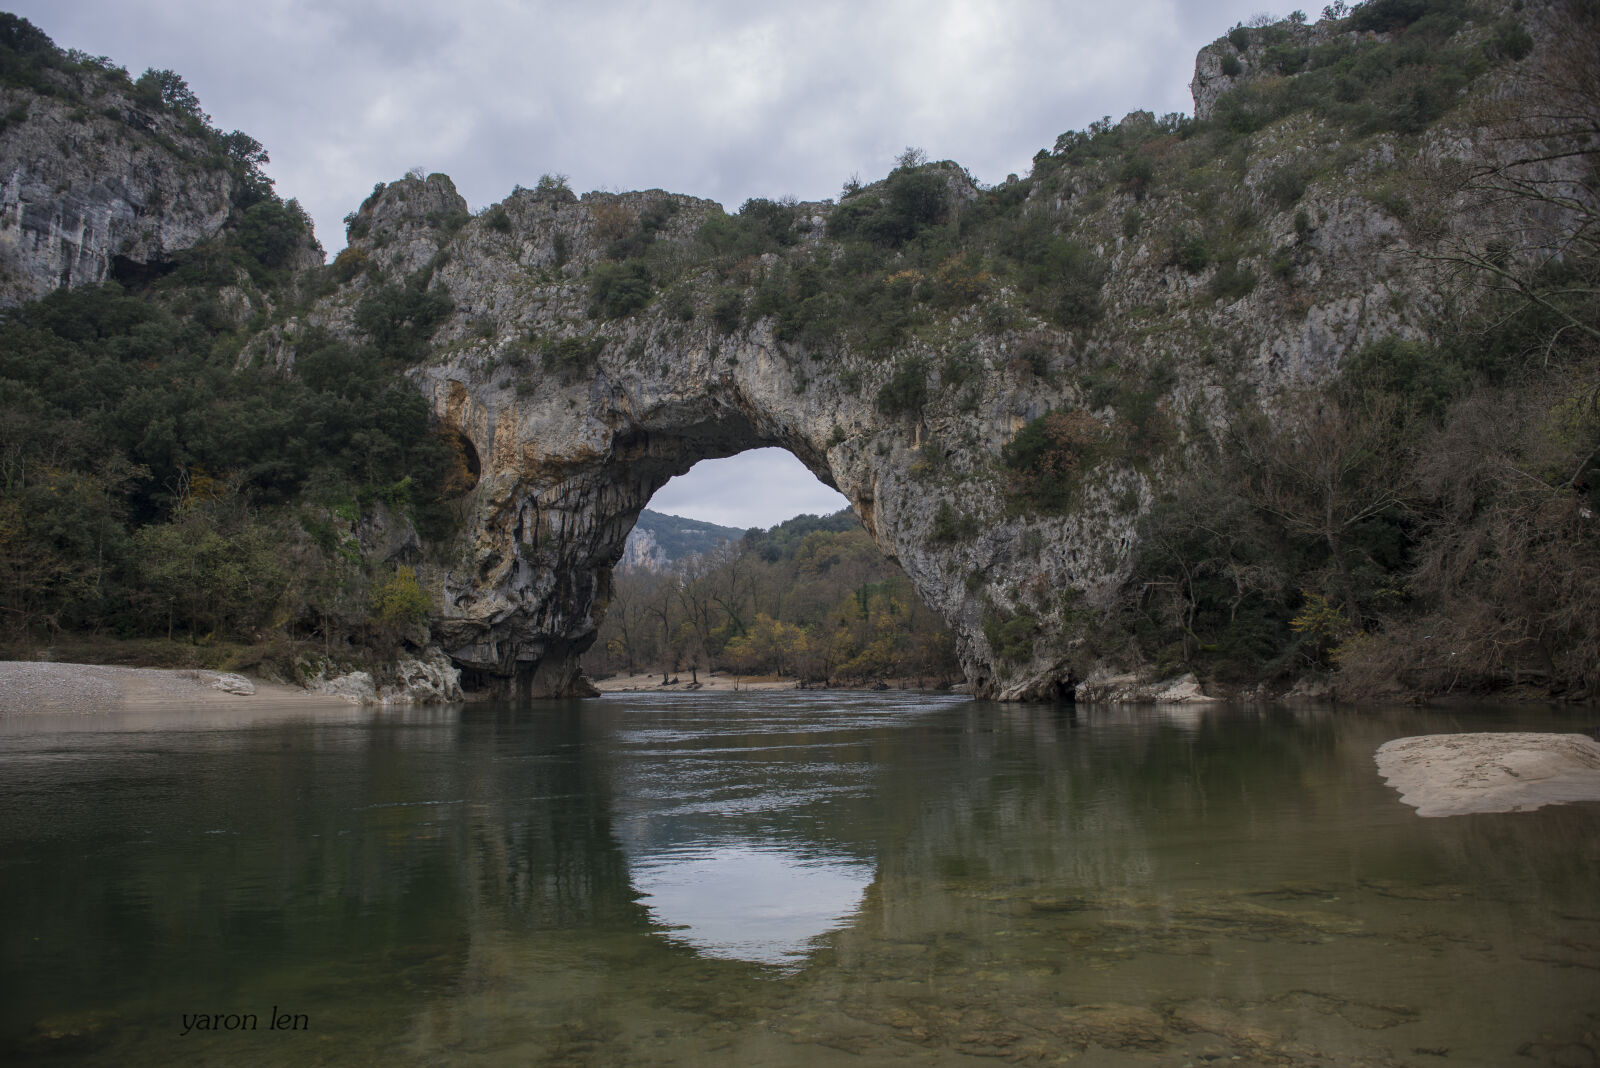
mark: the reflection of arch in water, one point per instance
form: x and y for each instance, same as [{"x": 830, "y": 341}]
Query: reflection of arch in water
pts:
[{"x": 749, "y": 900}]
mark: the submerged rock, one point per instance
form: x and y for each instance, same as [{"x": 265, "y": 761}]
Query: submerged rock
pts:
[{"x": 1456, "y": 774}]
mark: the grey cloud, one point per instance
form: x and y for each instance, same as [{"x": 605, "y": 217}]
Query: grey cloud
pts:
[{"x": 716, "y": 99}]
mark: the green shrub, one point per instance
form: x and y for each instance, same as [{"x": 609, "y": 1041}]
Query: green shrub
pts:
[
  {"x": 1386, "y": 16},
  {"x": 760, "y": 226},
  {"x": 1282, "y": 265},
  {"x": 271, "y": 230},
  {"x": 952, "y": 526},
  {"x": 909, "y": 200},
  {"x": 1426, "y": 378},
  {"x": 1136, "y": 175},
  {"x": 1062, "y": 279},
  {"x": 1287, "y": 185},
  {"x": 1232, "y": 282},
  {"x": 1192, "y": 253},
  {"x": 1231, "y": 67},
  {"x": 1047, "y": 457},
  {"x": 1011, "y": 637},
  {"x": 401, "y": 320},
  {"x": 727, "y": 310},
  {"x": 906, "y": 392},
  {"x": 1511, "y": 40},
  {"x": 1286, "y": 59},
  {"x": 573, "y": 355},
  {"x": 618, "y": 289},
  {"x": 681, "y": 306},
  {"x": 959, "y": 366},
  {"x": 553, "y": 189},
  {"x": 400, "y": 602}
]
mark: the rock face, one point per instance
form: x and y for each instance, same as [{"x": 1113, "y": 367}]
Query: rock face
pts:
[
  {"x": 426, "y": 677},
  {"x": 577, "y": 415},
  {"x": 641, "y": 552},
  {"x": 95, "y": 190},
  {"x": 658, "y": 541}
]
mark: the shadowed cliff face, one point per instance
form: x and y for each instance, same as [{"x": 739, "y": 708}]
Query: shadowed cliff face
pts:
[{"x": 87, "y": 199}]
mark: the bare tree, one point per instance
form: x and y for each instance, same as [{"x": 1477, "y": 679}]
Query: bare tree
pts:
[
  {"x": 1530, "y": 197},
  {"x": 1323, "y": 467}
]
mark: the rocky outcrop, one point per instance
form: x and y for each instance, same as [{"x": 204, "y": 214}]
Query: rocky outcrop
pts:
[
  {"x": 578, "y": 414},
  {"x": 642, "y": 552},
  {"x": 1104, "y": 688},
  {"x": 575, "y": 404},
  {"x": 425, "y": 677},
  {"x": 98, "y": 189}
]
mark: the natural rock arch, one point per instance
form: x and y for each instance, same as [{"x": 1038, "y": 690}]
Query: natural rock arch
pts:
[
  {"x": 563, "y": 480},
  {"x": 578, "y": 413},
  {"x": 579, "y": 407}
]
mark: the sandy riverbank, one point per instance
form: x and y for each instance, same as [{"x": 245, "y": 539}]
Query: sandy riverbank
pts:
[{"x": 28, "y": 686}]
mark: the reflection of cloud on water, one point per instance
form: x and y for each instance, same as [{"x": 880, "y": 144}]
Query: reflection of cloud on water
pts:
[{"x": 747, "y": 901}]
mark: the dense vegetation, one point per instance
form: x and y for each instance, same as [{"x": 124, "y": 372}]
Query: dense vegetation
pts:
[
  {"x": 149, "y": 486},
  {"x": 811, "y": 597},
  {"x": 1426, "y": 522}
]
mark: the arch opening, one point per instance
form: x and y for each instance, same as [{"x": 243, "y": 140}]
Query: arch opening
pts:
[{"x": 754, "y": 567}]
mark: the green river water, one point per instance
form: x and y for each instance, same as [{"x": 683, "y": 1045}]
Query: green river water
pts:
[{"x": 796, "y": 878}]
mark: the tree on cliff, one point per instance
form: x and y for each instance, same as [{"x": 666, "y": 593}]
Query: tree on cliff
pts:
[{"x": 166, "y": 88}]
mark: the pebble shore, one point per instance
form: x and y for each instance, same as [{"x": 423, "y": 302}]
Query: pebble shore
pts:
[{"x": 31, "y": 686}]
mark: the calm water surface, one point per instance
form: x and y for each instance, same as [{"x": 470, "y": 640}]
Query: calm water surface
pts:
[{"x": 779, "y": 879}]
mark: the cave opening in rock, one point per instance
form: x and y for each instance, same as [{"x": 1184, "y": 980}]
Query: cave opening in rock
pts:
[{"x": 752, "y": 566}]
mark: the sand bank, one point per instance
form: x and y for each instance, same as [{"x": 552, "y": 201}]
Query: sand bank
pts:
[
  {"x": 1455, "y": 774},
  {"x": 28, "y": 686}
]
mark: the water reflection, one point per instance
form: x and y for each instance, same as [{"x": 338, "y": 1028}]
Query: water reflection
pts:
[
  {"x": 730, "y": 880},
  {"x": 744, "y": 900}
]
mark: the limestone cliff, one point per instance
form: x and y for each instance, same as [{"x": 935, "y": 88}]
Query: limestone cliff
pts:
[
  {"x": 108, "y": 178},
  {"x": 93, "y": 183},
  {"x": 581, "y": 403}
]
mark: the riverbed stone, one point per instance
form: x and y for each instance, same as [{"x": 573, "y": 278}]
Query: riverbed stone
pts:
[{"x": 228, "y": 682}]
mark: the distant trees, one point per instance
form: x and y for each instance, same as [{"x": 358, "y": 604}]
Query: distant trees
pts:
[{"x": 811, "y": 597}]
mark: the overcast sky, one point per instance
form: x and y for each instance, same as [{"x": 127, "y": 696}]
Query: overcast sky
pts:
[{"x": 724, "y": 99}]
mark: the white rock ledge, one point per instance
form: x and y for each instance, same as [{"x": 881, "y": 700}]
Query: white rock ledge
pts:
[
  {"x": 1101, "y": 688},
  {"x": 1456, "y": 774}
]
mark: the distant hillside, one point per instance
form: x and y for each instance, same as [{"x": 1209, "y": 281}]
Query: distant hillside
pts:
[
  {"x": 781, "y": 541},
  {"x": 659, "y": 541}
]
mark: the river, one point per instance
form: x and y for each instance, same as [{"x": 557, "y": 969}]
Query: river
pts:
[{"x": 804, "y": 878}]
